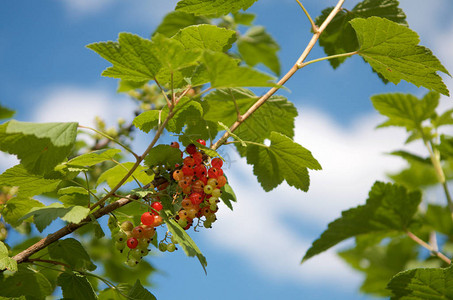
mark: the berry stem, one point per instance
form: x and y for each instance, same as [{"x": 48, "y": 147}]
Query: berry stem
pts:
[
  {"x": 429, "y": 247},
  {"x": 284, "y": 79}
]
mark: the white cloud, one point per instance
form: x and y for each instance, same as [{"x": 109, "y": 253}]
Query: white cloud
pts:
[
  {"x": 78, "y": 8},
  {"x": 262, "y": 227},
  {"x": 74, "y": 104}
]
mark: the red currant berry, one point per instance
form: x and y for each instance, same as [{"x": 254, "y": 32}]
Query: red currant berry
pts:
[
  {"x": 214, "y": 172},
  {"x": 157, "y": 206},
  {"x": 174, "y": 145},
  {"x": 200, "y": 171},
  {"x": 191, "y": 149},
  {"x": 137, "y": 232},
  {"x": 148, "y": 232},
  {"x": 147, "y": 218},
  {"x": 186, "y": 170},
  {"x": 217, "y": 163},
  {"x": 132, "y": 243},
  {"x": 221, "y": 181},
  {"x": 196, "y": 198},
  {"x": 189, "y": 161},
  {"x": 177, "y": 175},
  {"x": 203, "y": 142},
  {"x": 157, "y": 220},
  {"x": 198, "y": 158}
]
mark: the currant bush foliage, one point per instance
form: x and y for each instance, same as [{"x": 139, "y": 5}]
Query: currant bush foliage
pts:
[{"x": 192, "y": 79}]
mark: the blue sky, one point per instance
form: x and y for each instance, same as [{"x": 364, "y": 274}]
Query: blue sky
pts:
[{"x": 47, "y": 74}]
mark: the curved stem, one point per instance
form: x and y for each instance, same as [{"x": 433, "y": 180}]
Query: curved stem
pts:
[
  {"x": 284, "y": 79},
  {"x": 327, "y": 58},
  {"x": 429, "y": 247},
  {"x": 53, "y": 262},
  {"x": 313, "y": 25},
  {"x": 111, "y": 139}
]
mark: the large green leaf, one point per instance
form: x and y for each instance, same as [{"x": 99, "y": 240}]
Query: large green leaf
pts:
[
  {"x": 6, "y": 262},
  {"x": 206, "y": 37},
  {"x": 213, "y": 7},
  {"x": 94, "y": 157},
  {"x": 75, "y": 286},
  {"x": 39, "y": 146},
  {"x": 148, "y": 120},
  {"x": 29, "y": 184},
  {"x": 43, "y": 216},
  {"x": 276, "y": 114},
  {"x": 176, "y": 20},
  {"x": 139, "y": 292},
  {"x": 25, "y": 282},
  {"x": 282, "y": 160},
  {"x": 393, "y": 51},
  {"x": 339, "y": 37},
  {"x": 389, "y": 208},
  {"x": 163, "y": 155},
  {"x": 17, "y": 207},
  {"x": 186, "y": 242},
  {"x": 224, "y": 71},
  {"x": 132, "y": 57},
  {"x": 420, "y": 284},
  {"x": 438, "y": 218},
  {"x": 405, "y": 110},
  {"x": 257, "y": 46},
  {"x": 72, "y": 252},
  {"x": 114, "y": 175}
]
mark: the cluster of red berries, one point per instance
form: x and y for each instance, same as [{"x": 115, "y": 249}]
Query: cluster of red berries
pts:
[
  {"x": 200, "y": 180},
  {"x": 138, "y": 238}
]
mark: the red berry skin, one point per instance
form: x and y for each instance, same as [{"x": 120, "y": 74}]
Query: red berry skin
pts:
[
  {"x": 189, "y": 161},
  {"x": 191, "y": 149},
  {"x": 214, "y": 172},
  {"x": 203, "y": 142},
  {"x": 132, "y": 243},
  {"x": 137, "y": 232},
  {"x": 174, "y": 145},
  {"x": 200, "y": 171},
  {"x": 188, "y": 171},
  {"x": 157, "y": 206},
  {"x": 198, "y": 158},
  {"x": 216, "y": 163},
  {"x": 196, "y": 198},
  {"x": 147, "y": 218},
  {"x": 204, "y": 179}
]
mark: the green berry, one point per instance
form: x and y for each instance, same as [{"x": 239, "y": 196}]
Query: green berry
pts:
[
  {"x": 162, "y": 247},
  {"x": 120, "y": 245},
  {"x": 132, "y": 262},
  {"x": 121, "y": 236},
  {"x": 136, "y": 254},
  {"x": 171, "y": 247}
]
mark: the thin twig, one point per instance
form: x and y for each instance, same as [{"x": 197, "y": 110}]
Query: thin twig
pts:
[
  {"x": 313, "y": 25},
  {"x": 284, "y": 79},
  {"x": 53, "y": 262},
  {"x": 163, "y": 92},
  {"x": 429, "y": 247}
]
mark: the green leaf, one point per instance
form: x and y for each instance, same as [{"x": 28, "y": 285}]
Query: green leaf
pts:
[
  {"x": 389, "y": 208},
  {"x": 257, "y": 46},
  {"x": 339, "y": 37},
  {"x": 94, "y": 157},
  {"x": 6, "y": 113},
  {"x": 73, "y": 190},
  {"x": 206, "y": 37},
  {"x": 392, "y": 50},
  {"x": 6, "y": 262},
  {"x": 29, "y": 184},
  {"x": 139, "y": 292},
  {"x": 410, "y": 157},
  {"x": 379, "y": 263},
  {"x": 228, "y": 195},
  {"x": 445, "y": 147},
  {"x": 75, "y": 286},
  {"x": 43, "y": 216},
  {"x": 72, "y": 252},
  {"x": 276, "y": 114},
  {"x": 176, "y": 20},
  {"x": 445, "y": 118},
  {"x": 224, "y": 71},
  {"x": 148, "y": 120},
  {"x": 417, "y": 175},
  {"x": 132, "y": 57},
  {"x": 244, "y": 18},
  {"x": 418, "y": 284},
  {"x": 439, "y": 219},
  {"x": 405, "y": 110},
  {"x": 163, "y": 155},
  {"x": 17, "y": 207},
  {"x": 213, "y": 7},
  {"x": 186, "y": 242},
  {"x": 115, "y": 293},
  {"x": 39, "y": 146},
  {"x": 186, "y": 111},
  {"x": 25, "y": 282},
  {"x": 282, "y": 160},
  {"x": 113, "y": 175}
]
